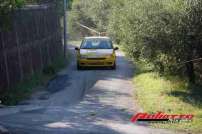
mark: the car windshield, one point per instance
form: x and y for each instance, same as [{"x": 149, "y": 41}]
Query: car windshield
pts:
[{"x": 96, "y": 44}]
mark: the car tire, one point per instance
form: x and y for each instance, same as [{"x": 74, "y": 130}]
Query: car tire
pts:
[
  {"x": 79, "y": 67},
  {"x": 114, "y": 66}
]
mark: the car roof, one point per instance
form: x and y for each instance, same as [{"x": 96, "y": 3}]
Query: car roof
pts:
[{"x": 97, "y": 37}]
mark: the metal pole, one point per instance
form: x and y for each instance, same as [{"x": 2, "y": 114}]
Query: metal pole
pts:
[{"x": 65, "y": 27}]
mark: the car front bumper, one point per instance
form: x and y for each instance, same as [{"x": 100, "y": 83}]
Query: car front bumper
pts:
[{"x": 96, "y": 62}]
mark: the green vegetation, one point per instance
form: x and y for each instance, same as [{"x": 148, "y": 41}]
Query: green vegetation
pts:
[
  {"x": 171, "y": 95},
  {"x": 26, "y": 88},
  {"x": 164, "y": 33},
  {"x": 7, "y": 6},
  {"x": 91, "y": 13}
]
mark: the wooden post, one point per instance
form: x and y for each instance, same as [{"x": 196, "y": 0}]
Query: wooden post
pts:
[
  {"x": 39, "y": 46},
  {"x": 5, "y": 62},
  {"x": 19, "y": 53},
  {"x": 65, "y": 28}
]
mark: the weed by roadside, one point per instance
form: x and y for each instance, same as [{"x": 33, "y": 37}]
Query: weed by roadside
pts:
[
  {"x": 25, "y": 89},
  {"x": 171, "y": 95}
]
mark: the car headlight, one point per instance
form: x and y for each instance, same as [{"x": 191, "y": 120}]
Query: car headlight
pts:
[
  {"x": 83, "y": 57},
  {"x": 110, "y": 56}
]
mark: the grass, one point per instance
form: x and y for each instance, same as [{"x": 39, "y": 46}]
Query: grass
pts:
[
  {"x": 26, "y": 88},
  {"x": 171, "y": 95}
]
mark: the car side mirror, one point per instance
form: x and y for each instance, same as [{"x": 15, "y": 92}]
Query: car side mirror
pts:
[
  {"x": 116, "y": 48},
  {"x": 76, "y": 48}
]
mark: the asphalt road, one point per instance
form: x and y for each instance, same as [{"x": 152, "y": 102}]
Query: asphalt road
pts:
[{"x": 95, "y": 101}]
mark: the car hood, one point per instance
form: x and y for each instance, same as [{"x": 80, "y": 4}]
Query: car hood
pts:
[{"x": 96, "y": 53}]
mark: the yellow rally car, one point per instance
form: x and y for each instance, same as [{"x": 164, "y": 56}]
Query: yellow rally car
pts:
[{"x": 96, "y": 51}]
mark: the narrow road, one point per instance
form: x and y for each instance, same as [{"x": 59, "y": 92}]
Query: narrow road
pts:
[{"x": 80, "y": 102}]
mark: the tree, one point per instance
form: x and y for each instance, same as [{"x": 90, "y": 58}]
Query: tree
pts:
[
  {"x": 92, "y": 13},
  {"x": 165, "y": 33}
]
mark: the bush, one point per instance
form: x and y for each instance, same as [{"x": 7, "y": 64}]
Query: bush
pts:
[{"x": 165, "y": 33}]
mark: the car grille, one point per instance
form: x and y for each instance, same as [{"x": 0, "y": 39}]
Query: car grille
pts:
[
  {"x": 96, "y": 63},
  {"x": 96, "y": 58}
]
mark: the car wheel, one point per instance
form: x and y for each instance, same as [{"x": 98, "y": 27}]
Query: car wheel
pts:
[
  {"x": 79, "y": 67},
  {"x": 114, "y": 66}
]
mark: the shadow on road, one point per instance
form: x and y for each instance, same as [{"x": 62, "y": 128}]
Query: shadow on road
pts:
[{"x": 105, "y": 108}]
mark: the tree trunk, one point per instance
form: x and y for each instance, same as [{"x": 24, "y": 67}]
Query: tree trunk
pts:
[{"x": 190, "y": 72}]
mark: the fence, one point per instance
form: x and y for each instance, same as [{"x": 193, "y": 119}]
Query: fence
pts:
[{"x": 33, "y": 42}]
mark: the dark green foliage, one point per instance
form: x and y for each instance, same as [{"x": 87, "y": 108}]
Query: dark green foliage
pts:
[
  {"x": 49, "y": 70},
  {"x": 165, "y": 33},
  {"x": 7, "y": 6},
  {"x": 91, "y": 13}
]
